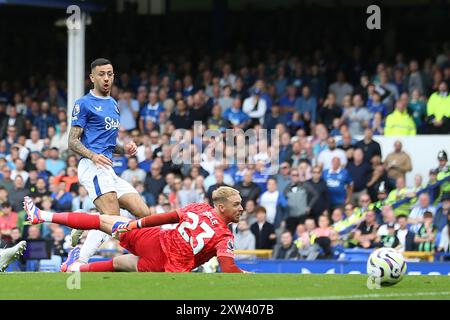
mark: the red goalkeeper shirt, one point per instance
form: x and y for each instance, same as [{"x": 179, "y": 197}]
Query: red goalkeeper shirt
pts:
[{"x": 199, "y": 236}]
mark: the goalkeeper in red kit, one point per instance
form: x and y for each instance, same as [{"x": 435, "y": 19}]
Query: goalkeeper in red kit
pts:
[{"x": 202, "y": 233}]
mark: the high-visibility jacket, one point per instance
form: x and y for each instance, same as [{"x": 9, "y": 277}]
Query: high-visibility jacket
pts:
[
  {"x": 438, "y": 106},
  {"x": 399, "y": 124}
]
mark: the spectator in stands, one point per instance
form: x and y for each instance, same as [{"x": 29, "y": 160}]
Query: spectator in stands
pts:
[
  {"x": 426, "y": 234},
  {"x": 35, "y": 143},
  {"x": 54, "y": 164},
  {"x": 264, "y": 231},
  {"x": 41, "y": 168},
  {"x": 13, "y": 120},
  {"x": 438, "y": 110},
  {"x": 376, "y": 106},
  {"x": 236, "y": 117},
  {"x": 17, "y": 194},
  {"x": 415, "y": 78},
  {"x": 325, "y": 157},
  {"x": 216, "y": 121},
  {"x": 250, "y": 212},
  {"x": 274, "y": 117},
  {"x": 330, "y": 111},
  {"x": 40, "y": 191},
  {"x": 398, "y": 162},
  {"x": 244, "y": 239},
  {"x": 357, "y": 116},
  {"x": 274, "y": 202},
  {"x": 57, "y": 239},
  {"x": 390, "y": 239},
  {"x": 360, "y": 172},
  {"x": 417, "y": 109},
  {"x": 187, "y": 194},
  {"x": 3, "y": 195},
  {"x": 255, "y": 107},
  {"x": 62, "y": 200},
  {"x": 82, "y": 201},
  {"x": 323, "y": 234},
  {"x": 443, "y": 172},
  {"x": 129, "y": 110},
  {"x": 400, "y": 193},
  {"x": 322, "y": 205},
  {"x": 6, "y": 181},
  {"x": 133, "y": 174},
  {"x": 442, "y": 212},
  {"x": 19, "y": 170},
  {"x": 306, "y": 105},
  {"x": 417, "y": 213},
  {"x": 369, "y": 146},
  {"x": 181, "y": 117},
  {"x": 300, "y": 197},
  {"x": 247, "y": 188},
  {"x": 388, "y": 217},
  {"x": 226, "y": 101},
  {"x": 444, "y": 243},
  {"x": 287, "y": 102},
  {"x": 339, "y": 183},
  {"x": 60, "y": 138},
  {"x": 340, "y": 88},
  {"x": 44, "y": 120},
  {"x": 286, "y": 249},
  {"x": 154, "y": 181},
  {"x": 8, "y": 221},
  {"x": 366, "y": 233},
  {"x": 399, "y": 122},
  {"x": 404, "y": 235}
]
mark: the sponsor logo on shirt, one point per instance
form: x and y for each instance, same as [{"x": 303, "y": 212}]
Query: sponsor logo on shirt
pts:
[{"x": 111, "y": 123}]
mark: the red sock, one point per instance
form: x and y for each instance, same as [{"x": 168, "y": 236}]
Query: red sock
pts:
[
  {"x": 76, "y": 220},
  {"x": 101, "y": 266}
]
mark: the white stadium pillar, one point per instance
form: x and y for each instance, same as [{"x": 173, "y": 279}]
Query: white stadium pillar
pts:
[{"x": 75, "y": 63}]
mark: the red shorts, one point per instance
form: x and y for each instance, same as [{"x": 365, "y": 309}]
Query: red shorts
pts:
[{"x": 145, "y": 244}]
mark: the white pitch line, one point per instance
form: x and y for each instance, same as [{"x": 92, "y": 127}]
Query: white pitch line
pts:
[{"x": 372, "y": 295}]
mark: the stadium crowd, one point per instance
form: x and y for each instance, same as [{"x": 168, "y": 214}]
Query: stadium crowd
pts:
[{"x": 330, "y": 190}]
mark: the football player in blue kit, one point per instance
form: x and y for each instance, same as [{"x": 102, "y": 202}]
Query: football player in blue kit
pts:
[{"x": 93, "y": 135}]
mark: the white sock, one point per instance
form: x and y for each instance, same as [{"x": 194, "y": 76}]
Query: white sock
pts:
[
  {"x": 93, "y": 240},
  {"x": 46, "y": 215}
]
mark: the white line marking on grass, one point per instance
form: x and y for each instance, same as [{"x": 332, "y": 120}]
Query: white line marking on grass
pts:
[{"x": 368, "y": 296}]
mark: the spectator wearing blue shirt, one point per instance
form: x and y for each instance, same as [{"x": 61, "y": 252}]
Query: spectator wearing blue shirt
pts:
[
  {"x": 287, "y": 102},
  {"x": 146, "y": 164},
  {"x": 188, "y": 86},
  {"x": 306, "y": 105},
  {"x": 120, "y": 164},
  {"x": 281, "y": 81},
  {"x": 62, "y": 200},
  {"x": 235, "y": 115},
  {"x": 375, "y": 105},
  {"x": 54, "y": 164},
  {"x": 149, "y": 114},
  {"x": 260, "y": 176},
  {"x": 339, "y": 183},
  {"x": 273, "y": 118},
  {"x": 41, "y": 168},
  {"x": 44, "y": 120}
]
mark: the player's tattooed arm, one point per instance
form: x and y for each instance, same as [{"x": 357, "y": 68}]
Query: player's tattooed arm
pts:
[{"x": 75, "y": 144}]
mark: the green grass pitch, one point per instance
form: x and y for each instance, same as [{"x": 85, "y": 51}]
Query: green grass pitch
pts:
[{"x": 215, "y": 286}]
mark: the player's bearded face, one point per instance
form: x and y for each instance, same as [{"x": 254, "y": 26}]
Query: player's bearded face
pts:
[{"x": 103, "y": 78}]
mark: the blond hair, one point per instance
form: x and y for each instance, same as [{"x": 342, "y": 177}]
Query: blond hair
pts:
[{"x": 222, "y": 194}]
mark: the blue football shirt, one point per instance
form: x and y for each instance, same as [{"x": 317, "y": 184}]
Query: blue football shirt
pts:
[
  {"x": 336, "y": 182},
  {"x": 100, "y": 119}
]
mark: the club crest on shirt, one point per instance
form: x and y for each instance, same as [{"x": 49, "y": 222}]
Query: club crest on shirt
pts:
[
  {"x": 230, "y": 245},
  {"x": 76, "y": 110}
]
